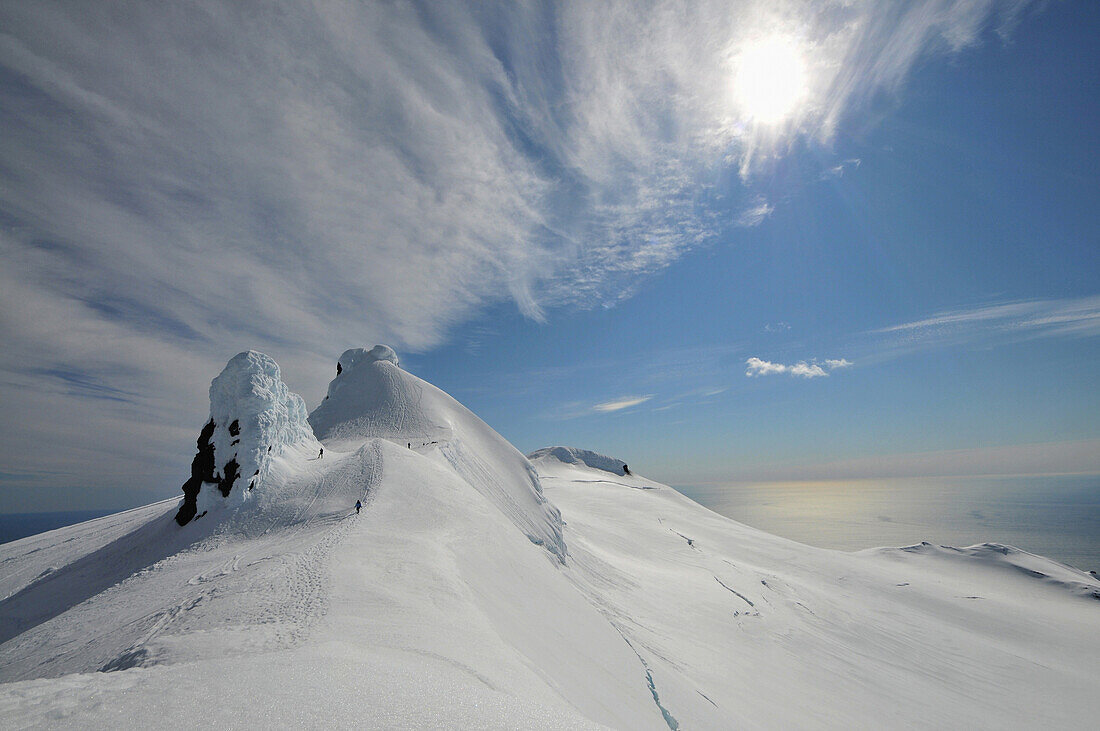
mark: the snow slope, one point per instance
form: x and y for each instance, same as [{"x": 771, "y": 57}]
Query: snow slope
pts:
[
  {"x": 739, "y": 627},
  {"x": 372, "y": 397},
  {"x": 438, "y": 606}
]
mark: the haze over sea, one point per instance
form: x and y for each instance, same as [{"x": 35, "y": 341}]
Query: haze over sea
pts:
[
  {"x": 1054, "y": 516},
  {"x": 14, "y": 526}
]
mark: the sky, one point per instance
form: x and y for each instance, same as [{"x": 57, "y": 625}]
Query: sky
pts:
[{"x": 723, "y": 241}]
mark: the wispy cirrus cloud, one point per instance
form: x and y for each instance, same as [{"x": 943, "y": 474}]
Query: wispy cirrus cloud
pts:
[
  {"x": 622, "y": 403},
  {"x": 837, "y": 171},
  {"x": 581, "y": 409},
  {"x": 181, "y": 182},
  {"x": 984, "y": 325},
  {"x": 1014, "y": 320},
  {"x": 981, "y": 326},
  {"x": 802, "y": 369},
  {"x": 833, "y": 364},
  {"x": 755, "y": 214}
]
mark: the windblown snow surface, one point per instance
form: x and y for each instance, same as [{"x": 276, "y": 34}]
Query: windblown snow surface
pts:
[{"x": 461, "y": 597}]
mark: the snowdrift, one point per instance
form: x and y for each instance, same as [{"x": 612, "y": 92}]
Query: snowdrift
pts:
[{"x": 451, "y": 600}]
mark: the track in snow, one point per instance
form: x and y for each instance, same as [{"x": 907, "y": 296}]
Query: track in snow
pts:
[{"x": 193, "y": 592}]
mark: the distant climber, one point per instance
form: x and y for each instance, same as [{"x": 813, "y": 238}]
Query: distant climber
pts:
[
  {"x": 358, "y": 507},
  {"x": 626, "y": 470},
  {"x": 321, "y": 454}
]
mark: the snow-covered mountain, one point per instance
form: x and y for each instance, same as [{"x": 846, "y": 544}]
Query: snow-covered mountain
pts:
[
  {"x": 462, "y": 597},
  {"x": 372, "y": 397}
]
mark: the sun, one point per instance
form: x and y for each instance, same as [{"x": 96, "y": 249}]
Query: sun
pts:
[{"x": 771, "y": 79}]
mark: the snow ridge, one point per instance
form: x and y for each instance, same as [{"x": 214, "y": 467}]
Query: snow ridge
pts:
[
  {"x": 373, "y": 397},
  {"x": 1006, "y": 559},
  {"x": 573, "y": 455}
]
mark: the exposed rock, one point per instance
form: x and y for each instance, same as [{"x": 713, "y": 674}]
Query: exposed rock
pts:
[{"x": 202, "y": 470}]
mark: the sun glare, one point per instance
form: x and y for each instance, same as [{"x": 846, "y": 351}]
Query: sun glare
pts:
[{"x": 771, "y": 79}]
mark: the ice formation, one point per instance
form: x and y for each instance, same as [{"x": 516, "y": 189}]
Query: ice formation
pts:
[{"x": 253, "y": 417}]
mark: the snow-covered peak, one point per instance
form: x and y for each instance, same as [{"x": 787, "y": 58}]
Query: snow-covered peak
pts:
[
  {"x": 372, "y": 397},
  {"x": 354, "y": 356},
  {"x": 253, "y": 418},
  {"x": 575, "y": 456}
]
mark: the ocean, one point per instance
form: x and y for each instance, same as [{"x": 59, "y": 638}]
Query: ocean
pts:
[
  {"x": 14, "y": 526},
  {"x": 1057, "y": 517}
]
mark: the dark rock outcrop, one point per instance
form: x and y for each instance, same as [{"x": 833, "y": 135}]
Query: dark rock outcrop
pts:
[
  {"x": 202, "y": 470},
  {"x": 232, "y": 472}
]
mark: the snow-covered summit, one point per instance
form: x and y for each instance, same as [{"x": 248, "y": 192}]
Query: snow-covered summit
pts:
[
  {"x": 573, "y": 455},
  {"x": 354, "y": 356},
  {"x": 253, "y": 417},
  {"x": 372, "y": 397}
]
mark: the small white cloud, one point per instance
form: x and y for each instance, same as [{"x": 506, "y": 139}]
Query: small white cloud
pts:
[
  {"x": 755, "y": 214},
  {"x": 807, "y": 370},
  {"x": 838, "y": 170},
  {"x": 776, "y": 327},
  {"x": 624, "y": 403},
  {"x": 801, "y": 369},
  {"x": 834, "y": 364},
  {"x": 758, "y": 367}
]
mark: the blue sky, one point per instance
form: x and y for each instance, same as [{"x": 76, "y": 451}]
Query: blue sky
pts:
[
  {"x": 974, "y": 201},
  {"x": 571, "y": 218}
]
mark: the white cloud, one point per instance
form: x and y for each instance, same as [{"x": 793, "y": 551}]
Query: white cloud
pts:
[
  {"x": 619, "y": 404},
  {"x": 755, "y": 214},
  {"x": 581, "y": 409},
  {"x": 837, "y": 171},
  {"x": 802, "y": 369},
  {"x": 806, "y": 370},
  {"x": 758, "y": 367}
]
